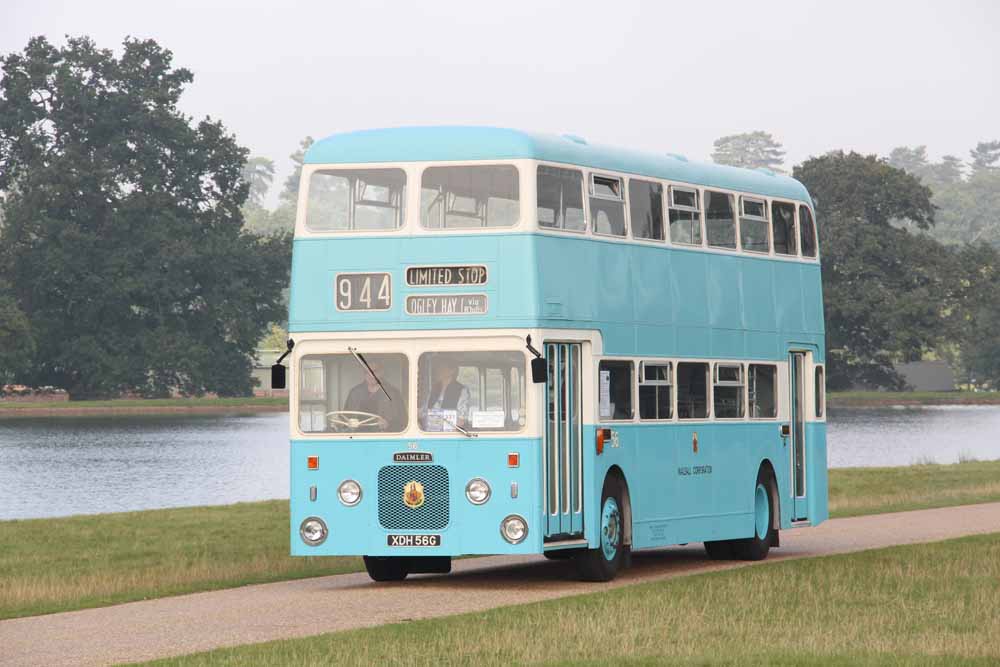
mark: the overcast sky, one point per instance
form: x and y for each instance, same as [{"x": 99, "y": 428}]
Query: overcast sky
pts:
[{"x": 867, "y": 76}]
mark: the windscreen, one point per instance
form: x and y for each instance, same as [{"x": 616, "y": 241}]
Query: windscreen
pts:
[
  {"x": 474, "y": 391},
  {"x": 338, "y": 394}
]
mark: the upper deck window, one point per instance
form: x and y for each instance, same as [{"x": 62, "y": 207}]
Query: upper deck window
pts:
[
  {"x": 720, "y": 220},
  {"x": 783, "y": 226},
  {"x": 645, "y": 200},
  {"x": 560, "y": 199},
  {"x": 354, "y": 200},
  {"x": 685, "y": 216},
  {"x": 753, "y": 225},
  {"x": 607, "y": 205},
  {"x": 808, "y": 232},
  {"x": 470, "y": 196}
]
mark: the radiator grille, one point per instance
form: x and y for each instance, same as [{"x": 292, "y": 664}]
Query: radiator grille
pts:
[{"x": 393, "y": 513}]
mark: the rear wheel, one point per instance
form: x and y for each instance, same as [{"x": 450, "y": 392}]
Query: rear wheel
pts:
[
  {"x": 604, "y": 562},
  {"x": 386, "y": 568},
  {"x": 756, "y": 547}
]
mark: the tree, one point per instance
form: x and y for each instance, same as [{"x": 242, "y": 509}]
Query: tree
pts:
[
  {"x": 258, "y": 173},
  {"x": 750, "y": 150},
  {"x": 977, "y": 312},
  {"x": 885, "y": 289},
  {"x": 985, "y": 156},
  {"x": 290, "y": 192},
  {"x": 16, "y": 342},
  {"x": 122, "y": 238}
]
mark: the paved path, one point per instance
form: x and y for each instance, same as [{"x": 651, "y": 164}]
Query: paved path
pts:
[{"x": 189, "y": 623}]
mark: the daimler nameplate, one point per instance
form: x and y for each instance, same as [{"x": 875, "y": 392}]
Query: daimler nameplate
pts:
[
  {"x": 412, "y": 457},
  {"x": 433, "y": 276}
]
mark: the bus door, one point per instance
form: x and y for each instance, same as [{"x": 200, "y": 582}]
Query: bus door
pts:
[
  {"x": 797, "y": 435},
  {"x": 563, "y": 448}
]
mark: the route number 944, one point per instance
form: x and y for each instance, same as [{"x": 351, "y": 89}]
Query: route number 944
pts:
[{"x": 363, "y": 291}]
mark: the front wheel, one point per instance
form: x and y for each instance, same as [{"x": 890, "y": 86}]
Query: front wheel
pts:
[
  {"x": 386, "y": 568},
  {"x": 604, "y": 562}
]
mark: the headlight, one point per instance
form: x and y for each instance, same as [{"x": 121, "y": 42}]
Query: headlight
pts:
[
  {"x": 514, "y": 529},
  {"x": 349, "y": 492},
  {"x": 313, "y": 531},
  {"x": 477, "y": 491}
]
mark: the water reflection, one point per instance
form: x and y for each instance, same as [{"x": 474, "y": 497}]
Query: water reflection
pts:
[
  {"x": 904, "y": 436},
  {"x": 61, "y": 466},
  {"x": 55, "y": 467}
]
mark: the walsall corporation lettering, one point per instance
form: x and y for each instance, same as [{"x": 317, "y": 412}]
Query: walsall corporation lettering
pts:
[{"x": 430, "y": 276}]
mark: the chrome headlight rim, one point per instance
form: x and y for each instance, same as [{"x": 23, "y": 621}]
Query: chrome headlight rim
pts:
[
  {"x": 468, "y": 491},
  {"x": 514, "y": 517},
  {"x": 325, "y": 532},
  {"x": 340, "y": 492}
]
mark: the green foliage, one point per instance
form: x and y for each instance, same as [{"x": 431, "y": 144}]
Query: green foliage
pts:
[
  {"x": 16, "y": 342},
  {"x": 122, "y": 237},
  {"x": 258, "y": 173},
  {"x": 977, "y": 311},
  {"x": 750, "y": 150},
  {"x": 884, "y": 288},
  {"x": 290, "y": 192}
]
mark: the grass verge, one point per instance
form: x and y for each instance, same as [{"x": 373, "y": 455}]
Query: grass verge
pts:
[
  {"x": 862, "y": 399},
  {"x": 924, "y": 604},
  {"x": 151, "y": 405},
  {"x": 50, "y": 565},
  {"x": 856, "y": 491}
]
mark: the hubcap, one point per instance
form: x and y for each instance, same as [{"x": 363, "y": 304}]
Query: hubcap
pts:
[
  {"x": 761, "y": 511},
  {"x": 611, "y": 525}
]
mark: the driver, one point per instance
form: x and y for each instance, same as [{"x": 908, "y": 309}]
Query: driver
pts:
[{"x": 366, "y": 396}]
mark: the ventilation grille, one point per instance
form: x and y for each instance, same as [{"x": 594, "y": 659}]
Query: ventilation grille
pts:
[{"x": 393, "y": 513}]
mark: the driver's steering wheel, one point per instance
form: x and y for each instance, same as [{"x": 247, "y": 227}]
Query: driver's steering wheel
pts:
[{"x": 353, "y": 420}]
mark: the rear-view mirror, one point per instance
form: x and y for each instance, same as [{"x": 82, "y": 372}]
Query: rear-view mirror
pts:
[
  {"x": 277, "y": 376},
  {"x": 539, "y": 370}
]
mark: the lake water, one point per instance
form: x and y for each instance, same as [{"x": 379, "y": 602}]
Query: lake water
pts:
[{"x": 62, "y": 466}]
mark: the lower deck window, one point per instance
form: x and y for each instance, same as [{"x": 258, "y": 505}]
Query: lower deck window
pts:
[
  {"x": 614, "y": 389},
  {"x": 692, "y": 390},
  {"x": 762, "y": 381}
]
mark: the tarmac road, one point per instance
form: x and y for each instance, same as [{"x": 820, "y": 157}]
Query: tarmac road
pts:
[{"x": 189, "y": 623}]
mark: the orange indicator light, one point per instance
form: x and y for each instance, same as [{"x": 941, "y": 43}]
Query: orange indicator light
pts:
[
  {"x": 313, "y": 462},
  {"x": 513, "y": 460}
]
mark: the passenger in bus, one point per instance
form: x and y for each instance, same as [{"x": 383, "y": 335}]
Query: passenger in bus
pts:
[
  {"x": 447, "y": 393},
  {"x": 367, "y": 396}
]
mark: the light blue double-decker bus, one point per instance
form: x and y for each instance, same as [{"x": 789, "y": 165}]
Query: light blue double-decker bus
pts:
[{"x": 515, "y": 343}]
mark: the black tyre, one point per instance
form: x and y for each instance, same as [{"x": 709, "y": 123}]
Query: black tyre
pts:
[
  {"x": 386, "y": 568},
  {"x": 611, "y": 556},
  {"x": 719, "y": 549},
  {"x": 756, "y": 547}
]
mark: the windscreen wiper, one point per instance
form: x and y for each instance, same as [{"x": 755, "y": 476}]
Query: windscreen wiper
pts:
[
  {"x": 467, "y": 434},
  {"x": 361, "y": 360}
]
